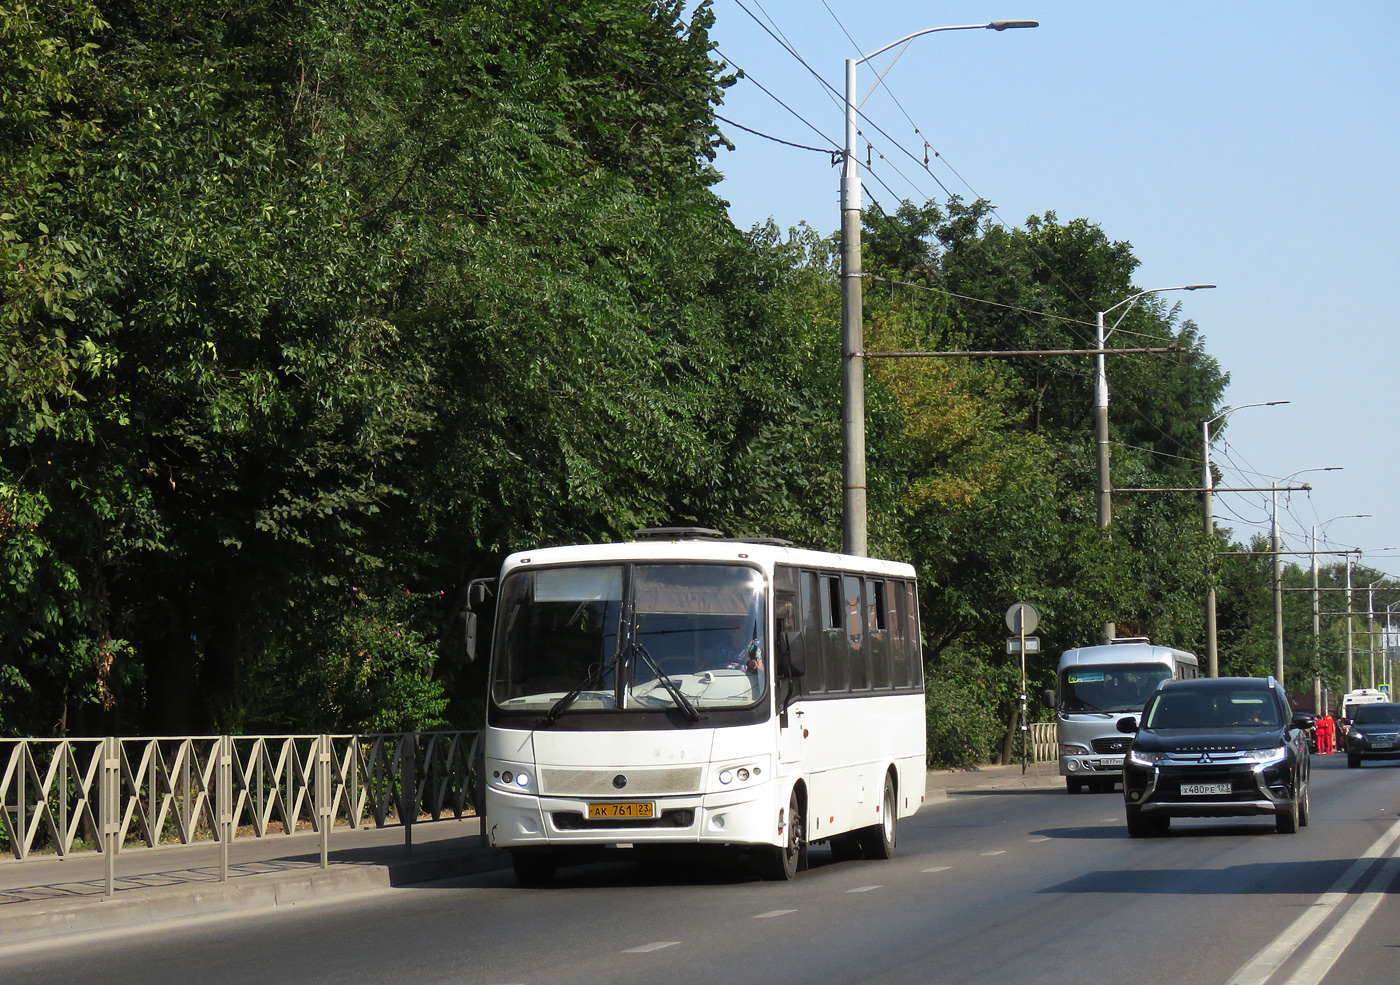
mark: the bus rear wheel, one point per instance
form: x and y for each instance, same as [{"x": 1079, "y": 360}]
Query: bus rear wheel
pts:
[{"x": 877, "y": 841}]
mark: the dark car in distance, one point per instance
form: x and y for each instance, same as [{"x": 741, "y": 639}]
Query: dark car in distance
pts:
[
  {"x": 1217, "y": 747},
  {"x": 1374, "y": 733}
]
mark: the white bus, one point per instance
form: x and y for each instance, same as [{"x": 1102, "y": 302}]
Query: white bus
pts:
[
  {"x": 1096, "y": 687},
  {"x": 685, "y": 689}
]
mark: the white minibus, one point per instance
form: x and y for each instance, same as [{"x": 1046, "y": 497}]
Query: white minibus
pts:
[
  {"x": 1095, "y": 688},
  {"x": 688, "y": 689}
]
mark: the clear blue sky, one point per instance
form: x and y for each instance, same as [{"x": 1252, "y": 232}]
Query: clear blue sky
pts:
[{"x": 1251, "y": 145}]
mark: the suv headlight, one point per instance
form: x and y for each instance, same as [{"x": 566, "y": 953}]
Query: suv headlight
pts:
[
  {"x": 1265, "y": 757},
  {"x": 1073, "y": 749},
  {"x": 1146, "y": 759}
]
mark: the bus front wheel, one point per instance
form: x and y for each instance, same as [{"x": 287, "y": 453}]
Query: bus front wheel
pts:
[
  {"x": 534, "y": 869},
  {"x": 782, "y": 862}
]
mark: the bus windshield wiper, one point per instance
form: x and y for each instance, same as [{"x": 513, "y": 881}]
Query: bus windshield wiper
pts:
[
  {"x": 682, "y": 702},
  {"x": 595, "y": 677}
]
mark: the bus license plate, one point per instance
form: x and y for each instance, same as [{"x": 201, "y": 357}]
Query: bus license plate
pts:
[
  {"x": 631, "y": 809},
  {"x": 1204, "y": 789}
]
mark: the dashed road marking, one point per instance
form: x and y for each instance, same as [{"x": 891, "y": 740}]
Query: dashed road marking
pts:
[
  {"x": 863, "y": 889},
  {"x": 939, "y": 868},
  {"x": 772, "y": 913},
  {"x": 1038, "y": 838},
  {"x": 646, "y": 948},
  {"x": 999, "y": 851}
]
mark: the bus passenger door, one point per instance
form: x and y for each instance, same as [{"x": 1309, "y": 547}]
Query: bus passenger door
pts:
[{"x": 788, "y": 669}]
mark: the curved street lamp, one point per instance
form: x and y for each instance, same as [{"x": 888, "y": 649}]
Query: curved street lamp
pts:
[
  {"x": 853, "y": 508},
  {"x": 1317, "y": 610},
  {"x": 1105, "y": 488},
  {"x": 1278, "y": 568},
  {"x": 1207, "y": 485}
]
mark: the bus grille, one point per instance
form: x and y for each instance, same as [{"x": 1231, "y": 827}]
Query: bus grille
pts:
[{"x": 641, "y": 782}]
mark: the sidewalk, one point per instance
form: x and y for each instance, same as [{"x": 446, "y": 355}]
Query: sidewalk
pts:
[{"x": 41, "y": 899}]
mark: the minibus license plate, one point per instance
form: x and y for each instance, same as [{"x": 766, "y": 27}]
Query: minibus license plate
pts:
[
  {"x": 632, "y": 809},
  {"x": 1204, "y": 789}
]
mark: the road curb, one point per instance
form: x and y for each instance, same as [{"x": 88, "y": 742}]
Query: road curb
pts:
[{"x": 49, "y": 920}]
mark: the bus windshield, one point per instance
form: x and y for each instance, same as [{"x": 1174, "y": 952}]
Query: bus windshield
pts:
[
  {"x": 1109, "y": 688},
  {"x": 631, "y": 637}
]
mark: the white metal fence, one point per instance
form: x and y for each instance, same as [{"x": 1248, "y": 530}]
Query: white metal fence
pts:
[
  {"x": 107, "y": 796},
  {"x": 1042, "y": 739}
]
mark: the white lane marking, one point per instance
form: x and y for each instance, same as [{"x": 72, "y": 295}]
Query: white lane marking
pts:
[
  {"x": 863, "y": 889},
  {"x": 1325, "y": 955},
  {"x": 999, "y": 851},
  {"x": 1037, "y": 838},
  {"x": 1262, "y": 966},
  {"x": 646, "y": 948},
  {"x": 773, "y": 913},
  {"x": 939, "y": 868}
]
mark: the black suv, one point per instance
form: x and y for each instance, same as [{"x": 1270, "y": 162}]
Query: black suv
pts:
[
  {"x": 1216, "y": 747},
  {"x": 1374, "y": 733}
]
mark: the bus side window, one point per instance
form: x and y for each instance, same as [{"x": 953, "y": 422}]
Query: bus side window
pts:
[
  {"x": 858, "y": 653},
  {"x": 916, "y": 653},
  {"x": 899, "y": 633},
  {"x": 878, "y": 635},
  {"x": 835, "y": 649}
]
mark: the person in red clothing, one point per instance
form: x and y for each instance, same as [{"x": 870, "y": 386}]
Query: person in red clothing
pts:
[{"x": 1326, "y": 734}]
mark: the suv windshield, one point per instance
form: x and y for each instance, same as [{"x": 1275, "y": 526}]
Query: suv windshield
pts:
[
  {"x": 1382, "y": 714},
  {"x": 631, "y": 637},
  {"x": 1109, "y": 687},
  {"x": 1189, "y": 708}
]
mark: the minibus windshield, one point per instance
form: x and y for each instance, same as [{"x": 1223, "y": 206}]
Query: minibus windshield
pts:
[
  {"x": 1109, "y": 688},
  {"x": 631, "y": 637}
]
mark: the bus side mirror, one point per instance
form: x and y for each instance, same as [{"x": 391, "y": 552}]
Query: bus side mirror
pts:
[
  {"x": 478, "y": 591},
  {"x": 1049, "y": 695},
  {"x": 1126, "y": 725},
  {"x": 469, "y": 633},
  {"x": 792, "y": 658}
]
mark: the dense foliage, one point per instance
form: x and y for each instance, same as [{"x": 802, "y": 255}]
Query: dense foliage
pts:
[{"x": 310, "y": 312}]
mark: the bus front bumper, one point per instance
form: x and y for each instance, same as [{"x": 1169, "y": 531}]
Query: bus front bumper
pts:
[{"x": 526, "y": 820}]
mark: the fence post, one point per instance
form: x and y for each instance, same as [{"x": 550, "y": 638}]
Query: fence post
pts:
[
  {"x": 223, "y": 785},
  {"x": 111, "y": 808},
  {"x": 323, "y": 796},
  {"x": 63, "y": 799},
  {"x": 408, "y": 810}
]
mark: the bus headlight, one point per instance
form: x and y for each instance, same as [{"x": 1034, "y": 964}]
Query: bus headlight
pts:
[{"x": 731, "y": 775}]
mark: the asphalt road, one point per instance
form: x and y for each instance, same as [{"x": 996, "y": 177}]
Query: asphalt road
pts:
[{"x": 1037, "y": 887}]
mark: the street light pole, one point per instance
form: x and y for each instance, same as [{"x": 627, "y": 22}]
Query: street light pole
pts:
[
  {"x": 1105, "y": 486},
  {"x": 1371, "y": 627},
  {"x": 854, "y": 518},
  {"x": 1207, "y": 486},
  {"x": 1351, "y": 677},
  {"x": 1316, "y": 608},
  {"x": 1278, "y": 569}
]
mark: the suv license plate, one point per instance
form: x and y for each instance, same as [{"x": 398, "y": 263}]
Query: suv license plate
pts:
[
  {"x": 1204, "y": 789},
  {"x": 632, "y": 809}
]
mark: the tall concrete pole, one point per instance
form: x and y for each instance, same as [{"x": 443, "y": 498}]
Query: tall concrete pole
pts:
[
  {"x": 1207, "y": 498},
  {"x": 853, "y": 509},
  {"x": 1105, "y": 486},
  {"x": 1278, "y": 594}
]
